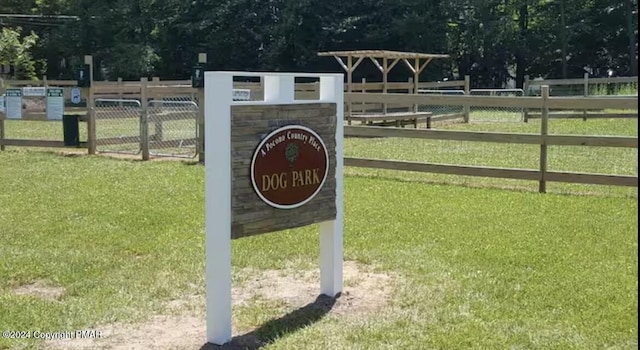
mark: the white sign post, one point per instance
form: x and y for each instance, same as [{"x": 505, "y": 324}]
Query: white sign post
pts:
[{"x": 279, "y": 89}]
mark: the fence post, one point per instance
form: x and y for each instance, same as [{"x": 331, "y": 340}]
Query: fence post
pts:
[
  {"x": 91, "y": 131},
  {"x": 544, "y": 131},
  {"x": 144, "y": 123},
  {"x": 586, "y": 94},
  {"x": 467, "y": 92},
  {"x": 525, "y": 90},
  {"x": 157, "y": 123},
  {"x": 91, "y": 124},
  {"x": 2, "y": 132},
  {"x": 202, "y": 58},
  {"x": 120, "y": 93}
]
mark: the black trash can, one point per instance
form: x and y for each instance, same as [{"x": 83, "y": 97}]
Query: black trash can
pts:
[{"x": 71, "y": 130}]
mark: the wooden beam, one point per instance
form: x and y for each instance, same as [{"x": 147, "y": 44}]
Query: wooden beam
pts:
[
  {"x": 406, "y": 62},
  {"x": 385, "y": 71},
  {"x": 393, "y": 64},
  {"x": 447, "y": 100},
  {"x": 594, "y": 141},
  {"x": 518, "y": 138},
  {"x": 574, "y": 103},
  {"x": 344, "y": 66},
  {"x": 593, "y": 179},
  {"x": 588, "y": 115},
  {"x": 38, "y": 143},
  {"x": 571, "y": 103},
  {"x": 544, "y": 130},
  {"x": 372, "y": 131},
  {"x": 375, "y": 61},
  {"x": 508, "y": 173},
  {"x": 355, "y": 65},
  {"x": 422, "y": 67},
  {"x": 522, "y": 174}
]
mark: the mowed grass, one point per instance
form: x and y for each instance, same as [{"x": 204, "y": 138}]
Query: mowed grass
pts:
[{"x": 480, "y": 268}]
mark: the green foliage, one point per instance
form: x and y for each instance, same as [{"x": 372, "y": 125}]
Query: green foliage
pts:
[
  {"x": 493, "y": 41},
  {"x": 15, "y": 50},
  {"x": 129, "y": 61}
]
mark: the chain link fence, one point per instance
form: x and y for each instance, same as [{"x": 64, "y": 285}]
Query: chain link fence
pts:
[
  {"x": 496, "y": 114},
  {"x": 172, "y": 124},
  {"x": 585, "y": 89},
  {"x": 441, "y": 110},
  {"x": 591, "y": 89},
  {"x": 118, "y": 126}
]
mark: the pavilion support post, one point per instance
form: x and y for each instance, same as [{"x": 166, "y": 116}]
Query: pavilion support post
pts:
[
  {"x": 385, "y": 71},
  {"x": 349, "y": 87},
  {"x": 416, "y": 79},
  {"x": 364, "y": 90}
]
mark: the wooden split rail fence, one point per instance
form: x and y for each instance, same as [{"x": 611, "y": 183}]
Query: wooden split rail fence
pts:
[{"x": 544, "y": 103}]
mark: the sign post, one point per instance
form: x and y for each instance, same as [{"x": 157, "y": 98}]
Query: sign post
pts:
[{"x": 270, "y": 165}]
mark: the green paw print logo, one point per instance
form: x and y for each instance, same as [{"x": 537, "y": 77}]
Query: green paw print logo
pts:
[{"x": 291, "y": 153}]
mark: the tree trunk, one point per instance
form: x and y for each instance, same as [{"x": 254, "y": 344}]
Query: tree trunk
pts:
[
  {"x": 563, "y": 37},
  {"x": 521, "y": 57},
  {"x": 633, "y": 61}
]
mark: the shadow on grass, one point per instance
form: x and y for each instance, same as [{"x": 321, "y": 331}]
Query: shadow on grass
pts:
[{"x": 276, "y": 328}]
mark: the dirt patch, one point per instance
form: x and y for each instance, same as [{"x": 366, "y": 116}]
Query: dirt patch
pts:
[
  {"x": 40, "y": 289},
  {"x": 364, "y": 292}
]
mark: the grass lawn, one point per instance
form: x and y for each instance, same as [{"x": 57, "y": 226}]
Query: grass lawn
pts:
[{"x": 478, "y": 268}]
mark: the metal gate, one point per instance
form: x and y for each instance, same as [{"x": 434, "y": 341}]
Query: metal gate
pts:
[
  {"x": 118, "y": 126},
  {"x": 172, "y": 128}
]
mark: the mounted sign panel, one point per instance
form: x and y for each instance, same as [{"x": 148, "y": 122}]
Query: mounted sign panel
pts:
[
  {"x": 197, "y": 76},
  {"x": 76, "y": 96},
  {"x": 13, "y": 103},
  {"x": 270, "y": 165},
  {"x": 289, "y": 167},
  {"x": 84, "y": 76},
  {"x": 55, "y": 103},
  {"x": 34, "y": 91}
]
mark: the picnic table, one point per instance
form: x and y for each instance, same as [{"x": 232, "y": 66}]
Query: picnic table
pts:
[{"x": 398, "y": 118}]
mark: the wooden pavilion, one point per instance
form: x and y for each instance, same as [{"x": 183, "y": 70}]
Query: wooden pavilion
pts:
[{"x": 385, "y": 61}]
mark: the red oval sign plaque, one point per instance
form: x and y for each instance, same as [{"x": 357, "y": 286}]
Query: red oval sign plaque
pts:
[{"x": 289, "y": 167}]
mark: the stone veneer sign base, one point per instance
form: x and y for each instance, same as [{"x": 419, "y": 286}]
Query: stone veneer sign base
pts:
[{"x": 270, "y": 165}]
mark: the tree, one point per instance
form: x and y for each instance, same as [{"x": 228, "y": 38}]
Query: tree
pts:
[{"x": 15, "y": 50}]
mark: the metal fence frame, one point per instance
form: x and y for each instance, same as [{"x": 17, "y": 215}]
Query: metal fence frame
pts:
[
  {"x": 156, "y": 140},
  {"x": 119, "y": 111}
]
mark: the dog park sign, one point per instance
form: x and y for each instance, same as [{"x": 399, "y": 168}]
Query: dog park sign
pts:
[
  {"x": 289, "y": 167},
  {"x": 271, "y": 165}
]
